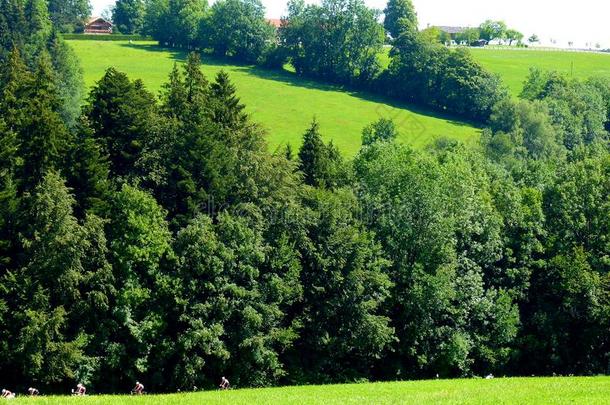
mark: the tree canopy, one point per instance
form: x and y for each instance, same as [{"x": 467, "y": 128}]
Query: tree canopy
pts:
[{"x": 156, "y": 238}]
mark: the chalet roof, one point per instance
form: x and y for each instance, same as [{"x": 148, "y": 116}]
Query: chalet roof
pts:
[
  {"x": 276, "y": 22},
  {"x": 452, "y": 30},
  {"x": 95, "y": 19}
]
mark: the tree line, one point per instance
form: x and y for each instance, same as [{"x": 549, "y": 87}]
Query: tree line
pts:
[
  {"x": 338, "y": 41},
  {"x": 155, "y": 238}
]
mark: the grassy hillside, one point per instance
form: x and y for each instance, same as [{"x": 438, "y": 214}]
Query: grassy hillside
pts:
[
  {"x": 475, "y": 391},
  {"x": 280, "y": 101},
  {"x": 513, "y": 65}
]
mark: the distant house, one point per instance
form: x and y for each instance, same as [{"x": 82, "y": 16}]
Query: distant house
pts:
[
  {"x": 452, "y": 31},
  {"x": 98, "y": 25},
  {"x": 276, "y": 22}
]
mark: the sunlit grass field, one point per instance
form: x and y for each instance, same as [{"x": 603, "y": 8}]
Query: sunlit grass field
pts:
[
  {"x": 474, "y": 391},
  {"x": 282, "y": 102},
  {"x": 514, "y": 65}
]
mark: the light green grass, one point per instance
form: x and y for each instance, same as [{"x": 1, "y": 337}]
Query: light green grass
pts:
[
  {"x": 282, "y": 102},
  {"x": 514, "y": 65},
  {"x": 475, "y": 391}
]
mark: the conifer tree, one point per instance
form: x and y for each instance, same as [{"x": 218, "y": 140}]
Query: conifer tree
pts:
[
  {"x": 8, "y": 194},
  {"x": 197, "y": 90},
  {"x": 174, "y": 102},
  {"x": 227, "y": 111},
  {"x": 88, "y": 173},
  {"x": 15, "y": 85},
  {"x": 321, "y": 164},
  {"x": 312, "y": 155},
  {"x": 46, "y": 287},
  {"x": 43, "y": 137},
  {"x": 121, "y": 114}
]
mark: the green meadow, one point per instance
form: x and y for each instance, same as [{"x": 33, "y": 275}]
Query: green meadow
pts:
[
  {"x": 280, "y": 101},
  {"x": 473, "y": 391},
  {"x": 514, "y": 65}
]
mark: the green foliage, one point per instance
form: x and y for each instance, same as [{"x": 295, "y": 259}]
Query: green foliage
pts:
[
  {"x": 42, "y": 134},
  {"x": 513, "y": 35},
  {"x": 320, "y": 164},
  {"x": 337, "y": 41},
  {"x": 128, "y": 16},
  {"x": 493, "y": 30},
  {"x": 381, "y": 131},
  {"x": 399, "y": 15},
  {"x": 468, "y": 36},
  {"x": 29, "y": 33},
  {"x": 237, "y": 28},
  {"x": 281, "y": 102},
  {"x": 174, "y": 22},
  {"x": 343, "y": 333},
  {"x": 162, "y": 242},
  {"x": 120, "y": 113},
  {"x": 69, "y": 15},
  {"x": 427, "y": 72}
]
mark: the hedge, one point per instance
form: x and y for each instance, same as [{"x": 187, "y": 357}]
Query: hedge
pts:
[{"x": 111, "y": 37}]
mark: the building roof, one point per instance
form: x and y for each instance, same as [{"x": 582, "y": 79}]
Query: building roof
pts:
[
  {"x": 95, "y": 19},
  {"x": 452, "y": 30},
  {"x": 276, "y": 22}
]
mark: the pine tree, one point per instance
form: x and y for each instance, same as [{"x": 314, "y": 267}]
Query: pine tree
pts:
[
  {"x": 13, "y": 27},
  {"x": 313, "y": 156},
  {"x": 43, "y": 137},
  {"x": 197, "y": 90},
  {"x": 174, "y": 102},
  {"x": 121, "y": 114},
  {"x": 46, "y": 286},
  {"x": 69, "y": 78},
  {"x": 88, "y": 173},
  {"x": 8, "y": 195},
  {"x": 227, "y": 111},
  {"x": 38, "y": 27},
  {"x": 15, "y": 87}
]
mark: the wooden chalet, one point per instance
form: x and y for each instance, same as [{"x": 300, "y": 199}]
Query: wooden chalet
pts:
[{"x": 98, "y": 25}]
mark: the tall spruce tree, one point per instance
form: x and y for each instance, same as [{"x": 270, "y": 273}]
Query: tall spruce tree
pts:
[
  {"x": 197, "y": 90},
  {"x": 88, "y": 173},
  {"x": 121, "y": 114},
  {"x": 8, "y": 195},
  {"x": 43, "y": 136},
  {"x": 313, "y": 160},
  {"x": 44, "y": 346},
  {"x": 321, "y": 164},
  {"x": 227, "y": 110}
]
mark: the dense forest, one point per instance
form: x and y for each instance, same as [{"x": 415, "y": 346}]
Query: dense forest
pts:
[{"x": 155, "y": 237}]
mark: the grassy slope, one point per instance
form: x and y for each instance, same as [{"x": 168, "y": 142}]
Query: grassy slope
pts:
[
  {"x": 513, "y": 65},
  {"x": 475, "y": 391},
  {"x": 280, "y": 101}
]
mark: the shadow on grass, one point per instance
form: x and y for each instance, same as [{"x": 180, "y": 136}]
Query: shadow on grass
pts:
[{"x": 292, "y": 79}]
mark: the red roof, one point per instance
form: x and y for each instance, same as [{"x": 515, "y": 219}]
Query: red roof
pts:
[{"x": 276, "y": 22}]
